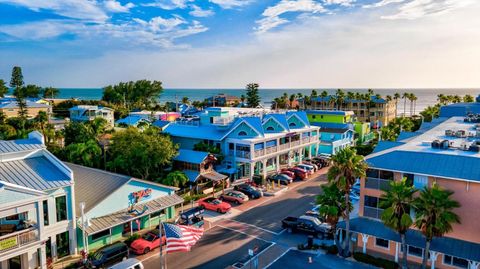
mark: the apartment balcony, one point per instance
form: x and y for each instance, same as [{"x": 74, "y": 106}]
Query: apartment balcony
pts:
[
  {"x": 240, "y": 154},
  {"x": 273, "y": 149},
  {"x": 372, "y": 212},
  {"x": 295, "y": 143},
  {"x": 377, "y": 183},
  {"x": 18, "y": 239},
  {"x": 258, "y": 153}
]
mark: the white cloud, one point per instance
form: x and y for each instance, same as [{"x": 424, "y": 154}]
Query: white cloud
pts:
[
  {"x": 115, "y": 6},
  {"x": 346, "y": 3},
  {"x": 272, "y": 14},
  {"x": 227, "y": 4},
  {"x": 168, "y": 4},
  {"x": 420, "y": 8},
  {"x": 199, "y": 12},
  {"x": 40, "y": 30},
  {"x": 76, "y": 9},
  {"x": 383, "y": 3}
]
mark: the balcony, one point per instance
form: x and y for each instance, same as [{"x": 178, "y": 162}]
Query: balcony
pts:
[
  {"x": 18, "y": 239},
  {"x": 240, "y": 154},
  {"x": 377, "y": 183},
  {"x": 258, "y": 153},
  {"x": 372, "y": 212}
]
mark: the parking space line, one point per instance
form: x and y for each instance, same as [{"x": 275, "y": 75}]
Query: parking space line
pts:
[
  {"x": 283, "y": 254},
  {"x": 258, "y": 254},
  {"x": 281, "y": 232},
  {"x": 251, "y": 225}
]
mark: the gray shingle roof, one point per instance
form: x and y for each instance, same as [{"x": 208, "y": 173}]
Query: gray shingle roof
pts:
[
  {"x": 450, "y": 246},
  {"x": 20, "y": 145},
  {"x": 122, "y": 216},
  {"x": 94, "y": 185},
  {"x": 37, "y": 173}
]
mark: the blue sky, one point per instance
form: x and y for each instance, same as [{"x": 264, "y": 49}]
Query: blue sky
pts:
[{"x": 228, "y": 43}]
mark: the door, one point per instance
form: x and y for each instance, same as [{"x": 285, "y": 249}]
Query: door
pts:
[
  {"x": 15, "y": 263},
  {"x": 63, "y": 244}
]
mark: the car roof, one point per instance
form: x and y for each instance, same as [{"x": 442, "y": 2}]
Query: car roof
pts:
[
  {"x": 126, "y": 264},
  {"x": 112, "y": 246}
]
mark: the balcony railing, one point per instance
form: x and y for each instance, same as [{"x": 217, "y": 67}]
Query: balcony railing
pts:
[
  {"x": 18, "y": 239},
  {"x": 295, "y": 143},
  {"x": 271, "y": 150},
  {"x": 372, "y": 212},
  {"x": 377, "y": 183},
  {"x": 258, "y": 153}
]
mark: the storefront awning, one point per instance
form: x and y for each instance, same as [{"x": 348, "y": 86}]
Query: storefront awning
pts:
[
  {"x": 123, "y": 216},
  {"x": 214, "y": 176}
]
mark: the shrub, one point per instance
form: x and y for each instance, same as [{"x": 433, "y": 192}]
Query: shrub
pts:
[
  {"x": 332, "y": 249},
  {"x": 378, "y": 262},
  {"x": 131, "y": 238}
]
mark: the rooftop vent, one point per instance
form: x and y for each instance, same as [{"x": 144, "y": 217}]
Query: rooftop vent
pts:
[
  {"x": 437, "y": 144},
  {"x": 461, "y": 133},
  {"x": 449, "y": 133}
]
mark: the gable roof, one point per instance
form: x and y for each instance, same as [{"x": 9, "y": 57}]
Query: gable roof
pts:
[
  {"x": 14, "y": 104},
  {"x": 10, "y": 193},
  {"x": 37, "y": 173},
  {"x": 428, "y": 163},
  {"x": 301, "y": 115},
  {"x": 279, "y": 118},
  {"x": 160, "y": 123},
  {"x": 30, "y": 144},
  {"x": 132, "y": 120},
  {"x": 191, "y": 156}
]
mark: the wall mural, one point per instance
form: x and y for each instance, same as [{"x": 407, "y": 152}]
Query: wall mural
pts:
[{"x": 134, "y": 198}]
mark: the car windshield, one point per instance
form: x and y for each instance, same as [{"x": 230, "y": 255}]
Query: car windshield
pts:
[
  {"x": 316, "y": 221},
  {"x": 97, "y": 256},
  {"x": 215, "y": 202},
  {"x": 149, "y": 237}
]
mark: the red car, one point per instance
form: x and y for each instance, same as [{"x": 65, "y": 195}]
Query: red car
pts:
[
  {"x": 235, "y": 197},
  {"x": 288, "y": 173},
  {"x": 147, "y": 242},
  {"x": 214, "y": 204},
  {"x": 299, "y": 173}
]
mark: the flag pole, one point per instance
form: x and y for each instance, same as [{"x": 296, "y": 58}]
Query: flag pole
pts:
[{"x": 160, "y": 226}]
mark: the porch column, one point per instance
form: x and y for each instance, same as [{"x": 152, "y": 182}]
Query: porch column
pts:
[
  {"x": 264, "y": 166},
  {"x": 42, "y": 254},
  {"x": 277, "y": 162},
  {"x": 252, "y": 150},
  {"x": 365, "y": 241},
  {"x": 310, "y": 152},
  {"x": 252, "y": 169},
  {"x": 131, "y": 228},
  {"x": 289, "y": 158},
  {"x": 433, "y": 258},
  {"x": 110, "y": 235},
  {"x": 396, "y": 251},
  {"x": 473, "y": 265}
]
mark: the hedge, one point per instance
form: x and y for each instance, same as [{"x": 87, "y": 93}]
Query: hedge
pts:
[{"x": 378, "y": 262}]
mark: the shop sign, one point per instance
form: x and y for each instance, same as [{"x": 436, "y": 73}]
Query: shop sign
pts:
[
  {"x": 135, "y": 198},
  {"x": 8, "y": 243}
]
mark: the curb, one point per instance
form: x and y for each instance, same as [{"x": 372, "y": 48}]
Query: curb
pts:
[{"x": 282, "y": 190}]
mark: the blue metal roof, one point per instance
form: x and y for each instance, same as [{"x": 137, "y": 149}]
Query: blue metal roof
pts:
[
  {"x": 383, "y": 145},
  {"x": 450, "y": 246},
  {"x": 280, "y": 118},
  {"x": 191, "y": 156},
  {"x": 160, "y": 123},
  {"x": 199, "y": 132},
  {"x": 373, "y": 99},
  {"x": 301, "y": 115},
  {"x": 459, "y": 109},
  {"x": 192, "y": 175},
  {"x": 132, "y": 120},
  {"x": 255, "y": 122},
  {"x": 428, "y": 163},
  {"x": 406, "y": 135},
  {"x": 333, "y": 125},
  {"x": 8, "y": 146}
]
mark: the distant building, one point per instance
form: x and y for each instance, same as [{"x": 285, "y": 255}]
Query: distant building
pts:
[
  {"x": 37, "y": 209},
  {"x": 444, "y": 152},
  {"x": 9, "y": 107},
  {"x": 378, "y": 111},
  {"x": 223, "y": 100},
  {"x": 460, "y": 109},
  {"x": 89, "y": 113},
  {"x": 253, "y": 141}
]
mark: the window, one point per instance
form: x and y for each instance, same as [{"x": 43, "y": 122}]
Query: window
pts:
[
  {"x": 410, "y": 178},
  {"x": 379, "y": 242},
  {"x": 386, "y": 175},
  {"x": 270, "y": 128},
  {"x": 63, "y": 244},
  {"x": 158, "y": 213},
  {"x": 101, "y": 234},
  {"x": 414, "y": 251},
  {"x": 313, "y": 116},
  {"x": 45, "y": 213},
  {"x": 61, "y": 206},
  {"x": 372, "y": 173},
  {"x": 242, "y": 133},
  {"x": 13, "y": 217},
  {"x": 454, "y": 261},
  {"x": 292, "y": 124},
  {"x": 321, "y": 116}
]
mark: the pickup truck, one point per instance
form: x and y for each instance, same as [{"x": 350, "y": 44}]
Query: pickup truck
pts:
[{"x": 307, "y": 224}]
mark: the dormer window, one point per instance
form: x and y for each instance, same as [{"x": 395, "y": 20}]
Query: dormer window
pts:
[
  {"x": 270, "y": 128},
  {"x": 292, "y": 124},
  {"x": 242, "y": 133}
]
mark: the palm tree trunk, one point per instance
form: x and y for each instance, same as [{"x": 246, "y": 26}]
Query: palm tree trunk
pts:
[
  {"x": 396, "y": 107},
  {"x": 404, "y": 105},
  {"x": 404, "y": 251},
  {"x": 425, "y": 255},
  {"x": 346, "y": 243}
]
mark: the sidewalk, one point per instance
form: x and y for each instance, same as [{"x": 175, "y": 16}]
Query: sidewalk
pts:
[{"x": 268, "y": 256}]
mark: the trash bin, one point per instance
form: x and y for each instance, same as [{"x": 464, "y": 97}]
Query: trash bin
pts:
[{"x": 310, "y": 242}]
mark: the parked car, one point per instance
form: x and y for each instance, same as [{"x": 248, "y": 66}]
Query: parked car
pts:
[
  {"x": 306, "y": 167},
  {"x": 250, "y": 191},
  {"x": 282, "y": 178},
  {"x": 235, "y": 197},
  {"x": 147, "y": 242},
  {"x": 131, "y": 263},
  {"x": 193, "y": 217},
  {"x": 318, "y": 163},
  {"x": 315, "y": 166},
  {"x": 300, "y": 174},
  {"x": 214, "y": 204},
  {"x": 288, "y": 173},
  {"x": 315, "y": 212},
  {"x": 324, "y": 159},
  {"x": 307, "y": 224},
  {"x": 109, "y": 255}
]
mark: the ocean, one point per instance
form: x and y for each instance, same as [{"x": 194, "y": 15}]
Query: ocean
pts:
[{"x": 426, "y": 97}]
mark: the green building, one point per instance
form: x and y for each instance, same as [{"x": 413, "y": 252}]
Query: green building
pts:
[{"x": 116, "y": 206}]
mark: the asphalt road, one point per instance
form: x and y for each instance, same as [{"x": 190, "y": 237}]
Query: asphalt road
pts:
[{"x": 218, "y": 248}]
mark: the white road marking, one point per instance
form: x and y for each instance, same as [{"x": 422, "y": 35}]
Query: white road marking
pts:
[
  {"x": 270, "y": 264},
  {"x": 254, "y": 236},
  {"x": 260, "y": 253},
  {"x": 251, "y": 225}
]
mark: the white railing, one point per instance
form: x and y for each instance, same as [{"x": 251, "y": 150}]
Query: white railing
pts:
[
  {"x": 295, "y": 143},
  {"x": 18, "y": 239},
  {"x": 222, "y": 120},
  {"x": 271, "y": 150},
  {"x": 258, "y": 153}
]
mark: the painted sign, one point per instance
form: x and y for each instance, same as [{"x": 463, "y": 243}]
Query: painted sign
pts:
[
  {"x": 8, "y": 243},
  {"x": 134, "y": 198}
]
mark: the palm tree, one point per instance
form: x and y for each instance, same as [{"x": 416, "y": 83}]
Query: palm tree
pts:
[
  {"x": 324, "y": 95},
  {"x": 434, "y": 214},
  {"x": 41, "y": 119},
  {"x": 468, "y": 99},
  {"x": 291, "y": 99},
  {"x": 414, "y": 99},
  {"x": 405, "y": 96},
  {"x": 185, "y": 100},
  {"x": 411, "y": 96},
  {"x": 340, "y": 96},
  {"x": 347, "y": 166},
  {"x": 175, "y": 179},
  {"x": 396, "y": 215},
  {"x": 396, "y": 96},
  {"x": 441, "y": 98},
  {"x": 370, "y": 92},
  {"x": 332, "y": 205},
  {"x": 456, "y": 98},
  {"x": 350, "y": 97}
]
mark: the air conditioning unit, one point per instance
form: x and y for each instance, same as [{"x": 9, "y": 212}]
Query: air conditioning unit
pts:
[
  {"x": 444, "y": 144},
  {"x": 461, "y": 133},
  {"x": 449, "y": 132},
  {"x": 436, "y": 144}
]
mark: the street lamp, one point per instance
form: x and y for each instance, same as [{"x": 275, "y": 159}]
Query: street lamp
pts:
[{"x": 84, "y": 234}]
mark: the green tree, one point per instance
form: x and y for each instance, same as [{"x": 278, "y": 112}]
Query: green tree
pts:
[
  {"x": 346, "y": 167},
  {"x": 7, "y": 132},
  {"x": 78, "y": 132},
  {"x": 291, "y": 99},
  {"x": 324, "y": 95},
  {"x": 396, "y": 96},
  {"x": 332, "y": 204},
  {"x": 434, "y": 215},
  {"x": 175, "y": 179},
  {"x": 3, "y": 88},
  {"x": 185, "y": 100},
  {"x": 396, "y": 202},
  {"x": 340, "y": 98},
  {"x": 466, "y": 99},
  {"x": 405, "y": 96},
  {"x": 141, "y": 154},
  {"x": 41, "y": 120},
  {"x": 87, "y": 154},
  {"x": 17, "y": 77},
  {"x": 138, "y": 94},
  {"x": 31, "y": 91},
  {"x": 50, "y": 92},
  {"x": 252, "y": 95}
]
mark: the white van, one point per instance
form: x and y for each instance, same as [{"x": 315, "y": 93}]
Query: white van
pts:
[{"x": 131, "y": 263}]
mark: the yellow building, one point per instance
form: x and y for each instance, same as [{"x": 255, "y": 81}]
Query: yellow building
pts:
[{"x": 9, "y": 107}]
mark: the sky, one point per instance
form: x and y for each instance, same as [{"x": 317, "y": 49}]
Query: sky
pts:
[{"x": 229, "y": 43}]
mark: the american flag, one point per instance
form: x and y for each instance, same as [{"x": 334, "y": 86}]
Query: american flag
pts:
[{"x": 181, "y": 237}]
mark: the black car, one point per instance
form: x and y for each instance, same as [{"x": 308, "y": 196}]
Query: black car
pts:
[
  {"x": 307, "y": 224},
  {"x": 251, "y": 192},
  {"x": 283, "y": 179},
  {"x": 109, "y": 255}
]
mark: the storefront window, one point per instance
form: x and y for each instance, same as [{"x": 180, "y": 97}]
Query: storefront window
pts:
[
  {"x": 454, "y": 261},
  {"x": 379, "y": 242},
  {"x": 63, "y": 245},
  {"x": 414, "y": 251},
  {"x": 61, "y": 207},
  {"x": 101, "y": 234}
]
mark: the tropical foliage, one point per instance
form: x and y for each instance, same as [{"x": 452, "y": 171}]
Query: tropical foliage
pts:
[
  {"x": 175, "y": 179},
  {"x": 332, "y": 203},
  {"x": 252, "y": 95},
  {"x": 133, "y": 94}
]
